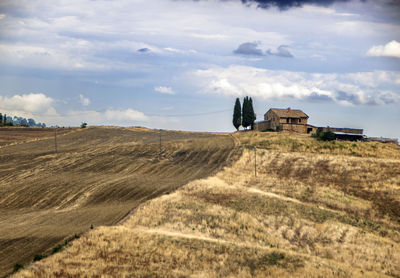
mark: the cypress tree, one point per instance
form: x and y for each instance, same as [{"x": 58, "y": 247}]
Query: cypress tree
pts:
[
  {"x": 5, "y": 119},
  {"x": 245, "y": 118},
  {"x": 252, "y": 115},
  {"x": 237, "y": 115},
  {"x": 1, "y": 119}
]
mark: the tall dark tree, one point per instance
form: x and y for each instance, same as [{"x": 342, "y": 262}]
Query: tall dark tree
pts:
[
  {"x": 245, "y": 113},
  {"x": 5, "y": 119},
  {"x": 237, "y": 114},
  {"x": 252, "y": 115},
  {"x": 1, "y": 119}
]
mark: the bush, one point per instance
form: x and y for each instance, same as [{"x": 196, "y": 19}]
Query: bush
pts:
[
  {"x": 83, "y": 125},
  {"x": 17, "y": 267},
  {"x": 328, "y": 136},
  {"x": 324, "y": 136},
  {"x": 38, "y": 257},
  {"x": 57, "y": 249}
]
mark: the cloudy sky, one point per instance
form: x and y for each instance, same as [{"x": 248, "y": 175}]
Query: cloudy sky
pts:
[{"x": 180, "y": 64}]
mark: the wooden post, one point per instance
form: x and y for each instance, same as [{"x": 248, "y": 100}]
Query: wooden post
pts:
[
  {"x": 55, "y": 141},
  {"x": 255, "y": 161},
  {"x": 159, "y": 155}
]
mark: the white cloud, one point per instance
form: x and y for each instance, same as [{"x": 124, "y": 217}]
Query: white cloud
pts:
[
  {"x": 344, "y": 89},
  {"x": 27, "y": 104},
  {"x": 84, "y": 100},
  {"x": 164, "y": 90},
  {"x": 125, "y": 115},
  {"x": 391, "y": 49}
]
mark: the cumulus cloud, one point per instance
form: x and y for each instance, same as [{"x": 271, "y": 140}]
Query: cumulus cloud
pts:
[
  {"x": 125, "y": 115},
  {"x": 344, "y": 89},
  {"x": 249, "y": 48},
  {"x": 391, "y": 49},
  {"x": 281, "y": 51},
  {"x": 164, "y": 90},
  {"x": 28, "y": 104},
  {"x": 84, "y": 100}
]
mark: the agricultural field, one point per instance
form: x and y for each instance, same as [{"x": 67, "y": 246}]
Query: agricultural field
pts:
[
  {"x": 98, "y": 176},
  {"x": 312, "y": 209},
  {"x": 15, "y": 135}
]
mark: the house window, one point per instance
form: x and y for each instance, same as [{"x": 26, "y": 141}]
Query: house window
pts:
[
  {"x": 299, "y": 120},
  {"x": 287, "y": 120}
]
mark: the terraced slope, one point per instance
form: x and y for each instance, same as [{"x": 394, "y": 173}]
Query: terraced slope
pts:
[
  {"x": 303, "y": 215},
  {"x": 97, "y": 178}
]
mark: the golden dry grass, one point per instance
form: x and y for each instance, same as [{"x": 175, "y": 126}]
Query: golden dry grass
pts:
[
  {"x": 97, "y": 178},
  {"x": 300, "y": 217}
]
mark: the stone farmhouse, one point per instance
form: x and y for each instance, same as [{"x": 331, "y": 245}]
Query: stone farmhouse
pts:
[
  {"x": 284, "y": 119},
  {"x": 296, "y": 120}
]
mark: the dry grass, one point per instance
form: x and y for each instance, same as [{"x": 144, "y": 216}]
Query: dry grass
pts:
[
  {"x": 298, "y": 218},
  {"x": 304, "y": 143},
  {"x": 97, "y": 178},
  {"x": 14, "y": 135}
]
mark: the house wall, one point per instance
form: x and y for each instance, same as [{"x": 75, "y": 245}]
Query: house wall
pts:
[
  {"x": 273, "y": 118},
  {"x": 261, "y": 126},
  {"x": 300, "y": 128}
]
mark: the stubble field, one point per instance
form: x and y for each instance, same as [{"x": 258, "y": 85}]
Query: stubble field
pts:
[
  {"x": 98, "y": 176},
  {"x": 315, "y": 209}
]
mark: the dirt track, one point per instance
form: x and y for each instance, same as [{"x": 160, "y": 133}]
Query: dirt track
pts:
[{"x": 98, "y": 176}]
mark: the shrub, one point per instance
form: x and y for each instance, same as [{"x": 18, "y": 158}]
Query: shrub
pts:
[
  {"x": 57, "y": 249},
  {"x": 328, "y": 136},
  {"x": 38, "y": 257},
  {"x": 17, "y": 267}
]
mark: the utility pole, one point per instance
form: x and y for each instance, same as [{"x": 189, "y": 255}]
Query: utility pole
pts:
[
  {"x": 159, "y": 155},
  {"x": 55, "y": 140},
  {"x": 255, "y": 161}
]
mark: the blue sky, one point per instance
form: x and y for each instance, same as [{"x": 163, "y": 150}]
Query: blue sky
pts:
[{"x": 166, "y": 64}]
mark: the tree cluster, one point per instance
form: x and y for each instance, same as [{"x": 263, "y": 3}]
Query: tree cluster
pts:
[
  {"x": 243, "y": 116},
  {"x": 18, "y": 121},
  {"x": 324, "y": 135}
]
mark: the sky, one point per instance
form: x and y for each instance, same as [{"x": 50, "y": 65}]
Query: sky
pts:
[{"x": 180, "y": 64}]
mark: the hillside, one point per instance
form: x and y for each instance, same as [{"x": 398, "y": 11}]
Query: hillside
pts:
[
  {"x": 97, "y": 178},
  {"x": 315, "y": 209}
]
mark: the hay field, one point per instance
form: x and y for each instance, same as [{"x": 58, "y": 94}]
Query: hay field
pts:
[
  {"x": 309, "y": 212},
  {"x": 97, "y": 178}
]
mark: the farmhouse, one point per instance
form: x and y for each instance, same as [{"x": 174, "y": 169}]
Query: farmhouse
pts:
[
  {"x": 296, "y": 120},
  {"x": 284, "y": 119}
]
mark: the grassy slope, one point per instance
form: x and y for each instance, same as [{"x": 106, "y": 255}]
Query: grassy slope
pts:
[
  {"x": 99, "y": 175},
  {"x": 303, "y": 215}
]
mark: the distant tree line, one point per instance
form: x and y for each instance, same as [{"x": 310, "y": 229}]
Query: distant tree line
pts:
[
  {"x": 18, "y": 121},
  {"x": 243, "y": 115}
]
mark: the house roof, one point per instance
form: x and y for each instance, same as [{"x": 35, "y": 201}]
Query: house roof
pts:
[{"x": 289, "y": 113}]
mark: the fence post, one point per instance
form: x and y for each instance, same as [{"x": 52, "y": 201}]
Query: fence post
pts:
[
  {"x": 55, "y": 141},
  {"x": 255, "y": 161}
]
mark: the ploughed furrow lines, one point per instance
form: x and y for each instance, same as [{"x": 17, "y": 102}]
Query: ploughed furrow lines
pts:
[{"x": 97, "y": 177}]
